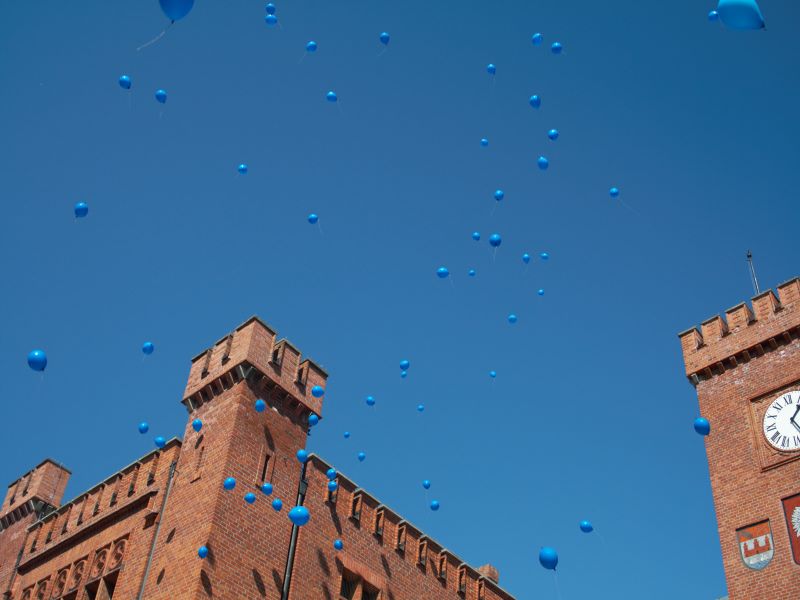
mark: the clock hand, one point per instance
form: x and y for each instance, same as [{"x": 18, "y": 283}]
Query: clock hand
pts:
[{"x": 792, "y": 421}]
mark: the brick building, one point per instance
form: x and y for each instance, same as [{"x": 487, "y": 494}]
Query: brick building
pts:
[
  {"x": 136, "y": 534},
  {"x": 746, "y": 369}
]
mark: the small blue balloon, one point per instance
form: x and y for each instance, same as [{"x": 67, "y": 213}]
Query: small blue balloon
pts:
[
  {"x": 548, "y": 558},
  {"x": 159, "y": 441},
  {"x": 553, "y": 134},
  {"x": 302, "y": 456},
  {"x": 346, "y": 435},
  {"x": 404, "y": 364},
  {"x": 249, "y": 497},
  {"x": 491, "y": 69},
  {"x": 512, "y": 318},
  {"x": 537, "y": 39},
  {"x": 384, "y": 38},
  {"x": 271, "y": 20},
  {"x": 476, "y": 236},
  {"x": 544, "y": 255},
  {"x": 202, "y": 552},
  {"x": 313, "y": 419},
  {"x": 331, "y": 473},
  {"x": 740, "y": 14},
  {"x": 614, "y": 192},
  {"x": 495, "y": 240},
  {"x": 442, "y": 272},
  {"x": 403, "y": 374},
  {"x": 313, "y": 218},
  {"x": 277, "y": 505},
  {"x": 270, "y": 8},
  {"x": 148, "y": 348},
  {"x": 266, "y": 488},
  {"x": 144, "y": 427},
  {"x": 299, "y": 515},
  {"x": 535, "y": 101},
  {"x": 332, "y": 486},
  {"x": 331, "y": 96},
  {"x": 713, "y": 16},
  {"x": 484, "y": 142},
  {"x": 311, "y": 46},
  {"x": 471, "y": 272},
  {"x": 540, "y": 292},
  {"x": 526, "y": 258},
  {"x": 318, "y": 391},
  {"x": 161, "y": 96},
  {"x": 586, "y": 526},
  {"x": 361, "y": 456},
  {"x": 242, "y": 168},
  {"x": 370, "y": 401},
  {"x": 556, "y": 48},
  {"x": 338, "y": 544},
  {"x": 197, "y": 424},
  {"x": 702, "y": 426},
  {"x": 125, "y": 82},
  {"x": 229, "y": 483},
  {"x": 434, "y": 505},
  {"x": 176, "y": 9},
  {"x": 81, "y": 210},
  {"x": 260, "y": 405},
  {"x": 499, "y": 195},
  {"x": 543, "y": 163},
  {"x": 492, "y": 374},
  {"x": 426, "y": 484},
  {"x": 420, "y": 407}
]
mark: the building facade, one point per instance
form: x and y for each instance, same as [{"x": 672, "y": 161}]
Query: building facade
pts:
[
  {"x": 136, "y": 535},
  {"x": 746, "y": 370}
]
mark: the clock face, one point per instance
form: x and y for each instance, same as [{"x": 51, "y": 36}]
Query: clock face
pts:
[{"x": 782, "y": 422}]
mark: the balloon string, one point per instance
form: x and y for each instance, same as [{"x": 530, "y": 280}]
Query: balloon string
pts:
[
  {"x": 558, "y": 591},
  {"x": 381, "y": 53},
  {"x": 319, "y": 225},
  {"x": 155, "y": 39}
]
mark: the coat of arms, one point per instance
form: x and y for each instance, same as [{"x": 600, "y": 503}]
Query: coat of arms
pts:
[
  {"x": 791, "y": 508},
  {"x": 755, "y": 545}
]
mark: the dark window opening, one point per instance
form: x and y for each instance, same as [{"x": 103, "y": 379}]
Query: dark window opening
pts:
[
  {"x": 265, "y": 467},
  {"x": 369, "y": 593},
  {"x": 347, "y": 591}
]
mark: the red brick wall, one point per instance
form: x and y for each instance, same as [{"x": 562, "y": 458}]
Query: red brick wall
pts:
[{"x": 742, "y": 364}]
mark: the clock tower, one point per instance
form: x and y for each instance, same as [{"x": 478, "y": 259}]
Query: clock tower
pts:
[{"x": 746, "y": 370}]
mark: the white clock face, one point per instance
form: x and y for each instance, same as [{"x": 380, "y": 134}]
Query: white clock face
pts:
[{"x": 782, "y": 422}]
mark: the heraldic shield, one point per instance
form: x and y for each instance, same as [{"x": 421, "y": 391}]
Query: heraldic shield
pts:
[
  {"x": 791, "y": 508},
  {"x": 755, "y": 545}
]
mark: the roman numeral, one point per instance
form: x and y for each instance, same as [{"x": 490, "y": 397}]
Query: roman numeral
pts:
[
  {"x": 772, "y": 427},
  {"x": 787, "y": 399},
  {"x": 772, "y": 416},
  {"x": 796, "y": 441},
  {"x": 777, "y": 406},
  {"x": 784, "y": 442},
  {"x": 775, "y": 436}
]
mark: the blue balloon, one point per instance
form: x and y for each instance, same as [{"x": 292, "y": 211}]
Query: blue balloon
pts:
[
  {"x": 491, "y": 69},
  {"x": 144, "y": 427},
  {"x": 403, "y": 374},
  {"x": 148, "y": 348},
  {"x": 553, "y": 134},
  {"x": 161, "y": 96},
  {"x": 311, "y": 46},
  {"x": 299, "y": 515},
  {"x": 543, "y": 163},
  {"x": 332, "y": 486},
  {"x": 229, "y": 483},
  {"x": 495, "y": 240},
  {"x": 318, "y": 391},
  {"x": 586, "y": 527},
  {"x": 471, "y": 272},
  {"x": 125, "y": 82},
  {"x": 313, "y": 419},
  {"x": 426, "y": 484},
  {"x": 537, "y": 39},
  {"x": 176, "y": 9},
  {"x": 740, "y": 14},
  {"x": 81, "y": 210},
  {"x": 242, "y": 168},
  {"x": 266, "y": 488},
  {"x": 313, "y": 218},
  {"x": 271, "y": 20},
  {"x": 277, "y": 505},
  {"x": 420, "y": 407},
  {"x": 331, "y": 473},
  {"x": 384, "y": 38},
  {"x": 346, "y": 435},
  {"x": 492, "y": 374},
  {"x": 512, "y": 318},
  {"x": 249, "y": 497},
  {"x": 37, "y": 360},
  {"x": 197, "y": 424},
  {"x": 535, "y": 101},
  {"x": 434, "y": 505},
  {"x": 476, "y": 236},
  {"x": 556, "y": 48},
  {"x": 544, "y": 255},
  {"x": 302, "y": 456},
  {"x": 338, "y": 544},
  {"x": 499, "y": 195},
  {"x": 404, "y": 364},
  {"x": 702, "y": 426},
  {"x": 713, "y": 16},
  {"x": 361, "y": 456},
  {"x": 613, "y": 192},
  {"x": 370, "y": 401},
  {"x": 548, "y": 558},
  {"x": 442, "y": 272},
  {"x": 484, "y": 142},
  {"x": 270, "y": 8},
  {"x": 540, "y": 292},
  {"x": 202, "y": 552},
  {"x": 159, "y": 441},
  {"x": 260, "y": 405},
  {"x": 526, "y": 258},
  {"x": 331, "y": 96}
]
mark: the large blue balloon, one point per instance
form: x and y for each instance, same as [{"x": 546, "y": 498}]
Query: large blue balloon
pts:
[
  {"x": 384, "y": 38},
  {"x": 442, "y": 272},
  {"x": 543, "y": 163},
  {"x": 526, "y": 258},
  {"x": 266, "y": 488},
  {"x": 271, "y": 20},
  {"x": 311, "y": 46},
  {"x": 434, "y": 505},
  {"x": 484, "y": 142},
  {"x": 249, "y": 497},
  {"x": 426, "y": 484},
  {"x": 331, "y": 474},
  {"x": 333, "y": 486},
  {"x": 553, "y": 134},
  {"x": 404, "y": 364},
  {"x": 159, "y": 441},
  {"x": 260, "y": 405},
  {"x": 302, "y": 455},
  {"x": 125, "y": 82},
  {"x": 313, "y": 419},
  {"x": 495, "y": 240},
  {"x": 370, "y": 401},
  {"x": 242, "y": 168},
  {"x": 338, "y": 544},
  {"x": 613, "y": 192},
  {"x": 420, "y": 408},
  {"x": 299, "y": 515},
  {"x": 492, "y": 374},
  {"x": 270, "y": 8},
  {"x": 556, "y": 48},
  {"x": 161, "y": 96},
  {"x": 471, "y": 272},
  {"x": 229, "y": 483},
  {"x": 148, "y": 348},
  {"x": 535, "y": 101},
  {"x": 318, "y": 391},
  {"x": 37, "y": 360},
  {"x": 537, "y": 39},
  {"x": 512, "y": 318},
  {"x": 586, "y": 526},
  {"x": 548, "y": 558},
  {"x": 81, "y": 210},
  {"x": 144, "y": 427},
  {"x": 361, "y": 456},
  {"x": 499, "y": 195},
  {"x": 740, "y": 14},
  {"x": 197, "y": 424},
  {"x": 331, "y": 96},
  {"x": 491, "y": 69},
  {"x": 176, "y": 9},
  {"x": 277, "y": 504},
  {"x": 313, "y": 218},
  {"x": 202, "y": 552},
  {"x": 702, "y": 426}
]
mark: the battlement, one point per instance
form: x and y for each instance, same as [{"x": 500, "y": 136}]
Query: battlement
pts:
[
  {"x": 744, "y": 333},
  {"x": 45, "y": 482},
  {"x": 253, "y": 345}
]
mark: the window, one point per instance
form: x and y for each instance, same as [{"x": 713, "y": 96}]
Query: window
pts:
[
  {"x": 442, "y": 566},
  {"x": 379, "y": 522},
  {"x": 369, "y": 593},
  {"x": 264, "y": 467},
  {"x": 481, "y": 590},
  {"x": 422, "y": 552},
  {"x": 400, "y": 542},
  {"x": 462, "y": 580},
  {"x": 355, "y": 508},
  {"x": 349, "y": 585}
]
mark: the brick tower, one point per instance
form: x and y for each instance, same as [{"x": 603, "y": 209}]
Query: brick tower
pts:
[{"x": 746, "y": 370}]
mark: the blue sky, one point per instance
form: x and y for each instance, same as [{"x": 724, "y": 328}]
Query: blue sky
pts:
[{"x": 589, "y": 416}]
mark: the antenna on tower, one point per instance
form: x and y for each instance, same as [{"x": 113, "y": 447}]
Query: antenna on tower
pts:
[{"x": 752, "y": 272}]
